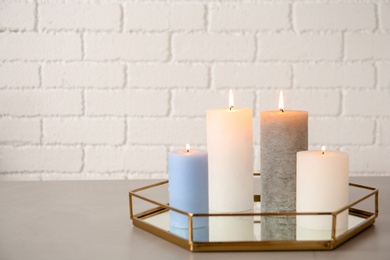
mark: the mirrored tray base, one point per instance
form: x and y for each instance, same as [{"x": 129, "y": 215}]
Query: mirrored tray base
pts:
[{"x": 250, "y": 231}]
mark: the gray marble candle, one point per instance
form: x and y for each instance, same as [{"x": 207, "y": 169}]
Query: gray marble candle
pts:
[{"x": 283, "y": 133}]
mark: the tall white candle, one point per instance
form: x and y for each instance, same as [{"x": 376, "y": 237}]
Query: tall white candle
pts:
[
  {"x": 322, "y": 186},
  {"x": 230, "y": 150}
]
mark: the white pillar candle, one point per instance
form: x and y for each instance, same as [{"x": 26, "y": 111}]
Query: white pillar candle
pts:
[
  {"x": 230, "y": 150},
  {"x": 322, "y": 186}
]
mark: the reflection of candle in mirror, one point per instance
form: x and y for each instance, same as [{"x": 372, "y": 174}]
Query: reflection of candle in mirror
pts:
[
  {"x": 322, "y": 186},
  {"x": 231, "y": 229},
  {"x": 200, "y": 234},
  {"x": 230, "y": 149},
  {"x": 188, "y": 185}
]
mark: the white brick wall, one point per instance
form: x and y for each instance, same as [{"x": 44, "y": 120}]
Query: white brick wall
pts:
[
  {"x": 194, "y": 103},
  {"x": 385, "y": 15},
  {"x": 167, "y": 131},
  {"x": 40, "y": 159},
  {"x": 20, "y": 131},
  {"x": 19, "y": 74},
  {"x": 251, "y": 17},
  {"x": 31, "y": 46},
  {"x": 164, "y": 17},
  {"x": 83, "y": 75},
  {"x": 344, "y": 16},
  {"x": 17, "y": 16},
  {"x": 367, "y": 103},
  {"x": 251, "y": 75},
  {"x": 132, "y": 47},
  {"x": 384, "y": 75},
  {"x": 213, "y": 47},
  {"x": 167, "y": 75},
  {"x": 363, "y": 46},
  {"x": 79, "y": 16},
  {"x": 132, "y": 159},
  {"x": 299, "y": 47},
  {"x": 39, "y": 102},
  {"x": 84, "y": 131},
  {"x": 104, "y": 89},
  {"x": 334, "y": 75},
  {"x": 127, "y": 103}
]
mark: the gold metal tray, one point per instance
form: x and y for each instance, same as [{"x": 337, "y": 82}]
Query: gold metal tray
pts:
[{"x": 243, "y": 231}]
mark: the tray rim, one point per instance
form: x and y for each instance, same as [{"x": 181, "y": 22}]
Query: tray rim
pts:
[{"x": 270, "y": 245}]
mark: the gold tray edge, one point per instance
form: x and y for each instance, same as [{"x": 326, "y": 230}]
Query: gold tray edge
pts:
[
  {"x": 275, "y": 245},
  {"x": 253, "y": 245}
]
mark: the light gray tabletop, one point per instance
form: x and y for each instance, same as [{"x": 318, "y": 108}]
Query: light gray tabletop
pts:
[{"x": 90, "y": 220}]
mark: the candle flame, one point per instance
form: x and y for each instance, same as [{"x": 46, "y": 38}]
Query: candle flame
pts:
[
  {"x": 323, "y": 149},
  {"x": 187, "y": 147},
  {"x": 281, "y": 101},
  {"x": 231, "y": 100}
]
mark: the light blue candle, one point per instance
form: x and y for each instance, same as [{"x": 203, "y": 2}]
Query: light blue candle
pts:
[{"x": 188, "y": 186}]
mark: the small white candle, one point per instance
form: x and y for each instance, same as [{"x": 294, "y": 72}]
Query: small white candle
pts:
[
  {"x": 322, "y": 186},
  {"x": 230, "y": 150}
]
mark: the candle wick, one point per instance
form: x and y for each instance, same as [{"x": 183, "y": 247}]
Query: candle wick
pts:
[
  {"x": 282, "y": 110},
  {"x": 231, "y": 107},
  {"x": 188, "y": 151},
  {"x": 323, "y": 152}
]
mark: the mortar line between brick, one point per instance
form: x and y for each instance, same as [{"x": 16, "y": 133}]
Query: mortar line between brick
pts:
[
  {"x": 82, "y": 39},
  {"x": 126, "y": 138},
  {"x": 41, "y": 137},
  {"x": 177, "y": 117},
  {"x": 170, "y": 103},
  {"x": 292, "y": 78},
  {"x": 256, "y": 49},
  {"x": 210, "y": 77},
  {"x": 122, "y": 18},
  {"x": 376, "y": 76},
  {"x": 170, "y": 48},
  {"x": 206, "y": 17},
  {"x": 341, "y": 104},
  {"x": 40, "y": 75},
  {"x": 37, "y": 17},
  {"x": 199, "y": 62},
  {"x": 82, "y": 167},
  {"x": 377, "y": 18},
  {"x": 126, "y": 75},
  {"x": 292, "y": 17},
  {"x": 83, "y": 103},
  {"x": 343, "y": 58},
  {"x": 71, "y": 145}
]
